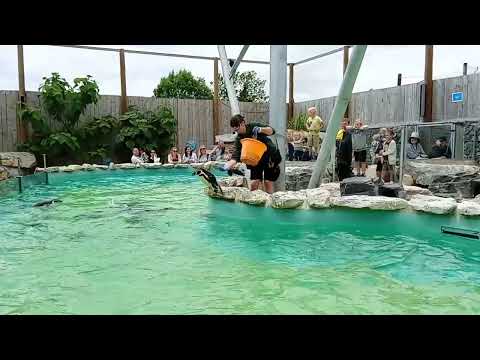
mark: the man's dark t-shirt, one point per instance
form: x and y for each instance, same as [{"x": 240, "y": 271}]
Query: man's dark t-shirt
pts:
[{"x": 271, "y": 147}]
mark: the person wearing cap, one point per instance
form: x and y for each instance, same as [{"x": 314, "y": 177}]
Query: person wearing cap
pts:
[
  {"x": 202, "y": 154},
  {"x": 267, "y": 169},
  {"x": 414, "y": 148},
  {"x": 314, "y": 124},
  {"x": 441, "y": 149},
  {"x": 344, "y": 151}
]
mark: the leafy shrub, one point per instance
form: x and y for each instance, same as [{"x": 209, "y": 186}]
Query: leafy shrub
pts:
[{"x": 298, "y": 122}]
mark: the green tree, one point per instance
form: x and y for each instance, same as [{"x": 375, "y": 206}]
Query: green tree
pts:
[
  {"x": 248, "y": 87},
  {"x": 182, "y": 85}
]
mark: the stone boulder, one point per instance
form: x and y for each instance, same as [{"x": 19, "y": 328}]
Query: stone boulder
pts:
[
  {"x": 469, "y": 208},
  {"x": 168, "y": 166},
  {"x": 425, "y": 173},
  {"x": 75, "y": 167},
  {"x": 415, "y": 190},
  {"x": 370, "y": 202},
  {"x": 432, "y": 204},
  {"x": 4, "y": 175},
  {"x": 236, "y": 181},
  {"x": 100, "y": 167},
  {"x": 332, "y": 188},
  {"x": 152, "y": 165},
  {"x": 228, "y": 193},
  {"x": 391, "y": 190},
  {"x": 257, "y": 197},
  {"x": 318, "y": 198},
  {"x": 65, "y": 169},
  {"x": 288, "y": 199},
  {"x": 357, "y": 186},
  {"x": 181, "y": 166},
  {"x": 88, "y": 167},
  {"x": 27, "y": 160},
  {"x": 198, "y": 165},
  {"x": 126, "y": 166},
  {"x": 408, "y": 180},
  {"x": 297, "y": 177}
]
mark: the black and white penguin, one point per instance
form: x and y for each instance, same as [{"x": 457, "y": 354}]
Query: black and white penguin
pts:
[
  {"x": 47, "y": 202},
  {"x": 209, "y": 179}
]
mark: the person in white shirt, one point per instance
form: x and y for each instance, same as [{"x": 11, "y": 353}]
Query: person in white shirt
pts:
[
  {"x": 202, "y": 154},
  {"x": 189, "y": 156},
  {"x": 154, "y": 157},
  {"x": 136, "y": 157},
  {"x": 389, "y": 153}
]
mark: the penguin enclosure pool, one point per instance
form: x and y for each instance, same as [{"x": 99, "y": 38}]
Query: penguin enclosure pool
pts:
[{"x": 152, "y": 242}]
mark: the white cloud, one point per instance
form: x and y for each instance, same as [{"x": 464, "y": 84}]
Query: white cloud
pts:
[{"x": 316, "y": 79}]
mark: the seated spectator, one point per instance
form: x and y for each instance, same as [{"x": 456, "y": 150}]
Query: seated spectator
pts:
[
  {"x": 136, "y": 158},
  {"x": 375, "y": 149},
  {"x": 189, "y": 156},
  {"x": 218, "y": 151},
  {"x": 414, "y": 148},
  {"x": 228, "y": 155},
  {"x": 298, "y": 146},
  {"x": 441, "y": 149},
  {"x": 154, "y": 157},
  {"x": 202, "y": 154},
  {"x": 143, "y": 156},
  {"x": 174, "y": 157}
]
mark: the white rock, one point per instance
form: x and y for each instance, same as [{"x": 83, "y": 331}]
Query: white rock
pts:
[
  {"x": 181, "y": 166},
  {"x": 318, "y": 198},
  {"x": 237, "y": 181},
  {"x": 416, "y": 190},
  {"x": 88, "y": 167},
  {"x": 477, "y": 199},
  {"x": 65, "y": 169},
  {"x": 152, "y": 166},
  {"x": 469, "y": 208},
  {"x": 101, "y": 167},
  {"x": 288, "y": 199},
  {"x": 75, "y": 167},
  {"x": 198, "y": 165},
  {"x": 257, "y": 197},
  {"x": 370, "y": 202},
  {"x": 168, "y": 166},
  {"x": 407, "y": 180},
  {"x": 27, "y": 160},
  {"x": 432, "y": 204},
  {"x": 53, "y": 169},
  {"x": 228, "y": 193},
  {"x": 126, "y": 166},
  {"x": 332, "y": 188}
]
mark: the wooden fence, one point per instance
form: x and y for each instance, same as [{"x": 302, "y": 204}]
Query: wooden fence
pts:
[
  {"x": 194, "y": 117},
  {"x": 389, "y": 106}
]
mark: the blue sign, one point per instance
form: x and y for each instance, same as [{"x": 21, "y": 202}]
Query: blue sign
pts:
[{"x": 457, "y": 97}]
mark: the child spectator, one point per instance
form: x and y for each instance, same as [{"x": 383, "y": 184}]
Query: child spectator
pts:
[
  {"x": 202, "y": 154},
  {"x": 189, "y": 156},
  {"x": 218, "y": 151},
  {"x": 298, "y": 144},
  {"x": 389, "y": 154},
  {"x": 359, "y": 145},
  {"x": 174, "y": 157}
]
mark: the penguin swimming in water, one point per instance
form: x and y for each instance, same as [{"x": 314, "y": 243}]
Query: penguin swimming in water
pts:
[
  {"x": 47, "y": 202},
  {"x": 209, "y": 179}
]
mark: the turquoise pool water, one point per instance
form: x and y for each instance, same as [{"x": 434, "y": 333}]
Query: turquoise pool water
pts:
[{"x": 151, "y": 242}]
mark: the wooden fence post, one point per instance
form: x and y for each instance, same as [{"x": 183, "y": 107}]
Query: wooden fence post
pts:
[
  {"x": 465, "y": 69},
  {"x": 216, "y": 102},
  {"x": 22, "y": 129},
  {"x": 345, "y": 64},
  {"x": 399, "y": 80},
  {"x": 291, "y": 102},
  {"x": 123, "y": 84},
  {"x": 428, "y": 82}
]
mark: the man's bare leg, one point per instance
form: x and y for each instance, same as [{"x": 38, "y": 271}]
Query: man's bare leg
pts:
[
  {"x": 254, "y": 185},
  {"x": 268, "y": 185}
]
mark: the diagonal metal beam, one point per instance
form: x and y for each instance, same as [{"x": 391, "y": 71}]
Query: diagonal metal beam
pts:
[
  {"x": 232, "y": 96},
  {"x": 322, "y": 55},
  {"x": 239, "y": 59}
]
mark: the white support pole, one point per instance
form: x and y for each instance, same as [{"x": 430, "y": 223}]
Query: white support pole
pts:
[
  {"x": 278, "y": 104},
  {"x": 239, "y": 59},
  {"x": 232, "y": 96},
  {"x": 343, "y": 98},
  {"x": 403, "y": 141}
]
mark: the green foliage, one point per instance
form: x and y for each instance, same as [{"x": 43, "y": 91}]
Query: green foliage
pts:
[
  {"x": 298, "y": 122},
  {"x": 34, "y": 117},
  {"x": 182, "y": 85},
  {"x": 65, "y": 103},
  {"x": 248, "y": 87}
]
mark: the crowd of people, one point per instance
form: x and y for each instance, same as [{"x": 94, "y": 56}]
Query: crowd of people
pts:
[
  {"x": 305, "y": 145},
  {"x": 189, "y": 156}
]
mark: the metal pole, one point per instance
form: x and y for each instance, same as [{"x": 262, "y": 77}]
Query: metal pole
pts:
[
  {"x": 402, "y": 153},
  {"x": 345, "y": 65},
  {"x": 399, "y": 80},
  {"x": 232, "y": 96},
  {"x": 465, "y": 69},
  {"x": 20, "y": 189},
  {"x": 290, "y": 92},
  {"x": 216, "y": 102},
  {"x": 239, "y": 59},
  {"x": 45, "y": 161},
  {"x": 343, "y": 98},
  {"x": 123, "y": 84},
  {"x": 428, "y": 82},
  {"x": 22, "y": 129},
  {"x": 278, "y": 103}
]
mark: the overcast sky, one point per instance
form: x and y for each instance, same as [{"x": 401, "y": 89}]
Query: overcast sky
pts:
[{"x": 313, "y": 80}]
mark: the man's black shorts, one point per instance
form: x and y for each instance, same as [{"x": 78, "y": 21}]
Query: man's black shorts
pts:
[
  {"x": 360, "y": 156},
  {"x": 379, "y": 166},
  {"x": 265, "y": 170}
]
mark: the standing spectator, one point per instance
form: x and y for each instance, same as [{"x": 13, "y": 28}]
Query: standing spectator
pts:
[
  {"x": 136, "y": 158},
  {"x": 174, "y": 157},
  {"x": 375, "y": 149},
  {"x": 298, "y": 145},
  {"x": 414, "y": 148},
  {"x": 359, "y": 145},
  {"x": 389, "y": 153},
  {"x": 314, "y": 124},
  {"x": 344, "y": 151},
  {"x": 189, "y": 156},
  {"x": 291, "y": 149},
  {"x": 218, "y": 151},
  {"x": 202, "y": 154}
]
